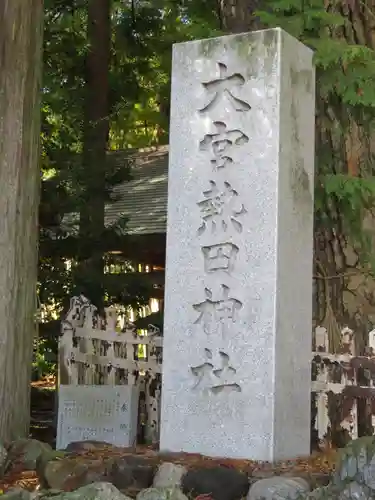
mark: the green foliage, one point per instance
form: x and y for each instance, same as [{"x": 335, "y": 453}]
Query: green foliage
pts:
[
  {"x": 142, "y": 37},
  {"x": 345, "y": 103},
  {"x": 348, "y": 199},
  {"x": 141, "y": 53},
  {"x": 345, "y": 69},
  {"x": 64, "y": 186},
  {"x": 44, "y": 359}
]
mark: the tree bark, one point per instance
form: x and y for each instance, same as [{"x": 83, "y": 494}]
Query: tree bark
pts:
[
  {"x": 353, "y": 153},
  {"x": 96, "y": 131},
  {"x": 20, "y": 70},
  {"x": 237, "y": 16}
]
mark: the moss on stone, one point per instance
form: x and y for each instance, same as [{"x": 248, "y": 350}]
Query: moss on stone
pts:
[
  {"x": 208, "y": 46},
  {"x": 303, "y": 77}
]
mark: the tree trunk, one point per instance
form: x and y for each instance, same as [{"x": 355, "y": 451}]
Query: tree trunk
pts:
[
  {"x": 95, "y": 141},
  {"x": 237, "y": 16},
  {"x": 353, "y": 154},
  {"x": 20, "y": 69}
]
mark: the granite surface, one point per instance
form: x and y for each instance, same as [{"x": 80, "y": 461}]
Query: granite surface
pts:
[
  {"x": 237, "y": 332},
  {"x": 100, "y": 413}
]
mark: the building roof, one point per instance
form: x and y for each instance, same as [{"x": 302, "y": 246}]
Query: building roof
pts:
[{"x": 142, "y": 201}]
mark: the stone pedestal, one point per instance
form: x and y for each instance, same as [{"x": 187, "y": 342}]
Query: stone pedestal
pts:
[{"x": 237, "y": 332}]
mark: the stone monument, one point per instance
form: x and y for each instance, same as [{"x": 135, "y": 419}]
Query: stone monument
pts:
[
  {"x": 98, "y": 413},
  {"x": 238, "y": 305}
]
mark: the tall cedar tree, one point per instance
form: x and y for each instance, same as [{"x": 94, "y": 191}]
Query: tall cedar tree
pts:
[
  {"x": 20, "y": 68},
  {"x": 77, "y": 104},
  {"x": 90, "y": 270}
]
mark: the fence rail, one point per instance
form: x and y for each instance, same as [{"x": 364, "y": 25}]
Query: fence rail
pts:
[
  {"x": 343, "y": 388},
  {"x": 110, "y": 351}
]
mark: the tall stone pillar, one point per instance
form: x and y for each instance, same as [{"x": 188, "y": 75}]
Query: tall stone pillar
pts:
[{"x": 238, "y": 304}]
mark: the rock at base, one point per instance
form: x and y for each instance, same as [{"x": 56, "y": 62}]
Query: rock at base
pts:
[
  {"x": 94, "y": 491},
  {"x": 16, "y": 494},
  {"x": 356, "y": 463},
  {"x": 161, "y": 494},
  {"x": 27, "y": 452},
  {"x": 278, "y": 488},
  {"x": 221, "y": 483},
  {"x": 71, "y": 473},
  {"x": 355, "y": 491},
  {"x": 43, "y": 467},
  {"x": 132, "y": 472},
  {"x": 169, "y": 475}
]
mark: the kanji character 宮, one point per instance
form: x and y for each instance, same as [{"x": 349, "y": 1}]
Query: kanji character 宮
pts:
[{"x": 221, "y": 143}]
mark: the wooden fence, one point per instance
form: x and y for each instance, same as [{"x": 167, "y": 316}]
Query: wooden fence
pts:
[
  {"x": 110, "y": 351},
  {"x": 342, "y": 389}
]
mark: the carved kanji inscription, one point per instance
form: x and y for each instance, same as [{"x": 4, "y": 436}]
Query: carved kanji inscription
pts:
[
  {"x": 221, "y": 143},
  {"x": 220, "y": 257},
  {"x": 222, "y": 88},
  {"x": 221, "y": 209},
  {"x": 215, "y": 314},
  {"x": 216, "y": 376}
]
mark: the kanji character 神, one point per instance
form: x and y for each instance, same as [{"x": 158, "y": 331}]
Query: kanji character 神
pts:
[{"x": 217, "y": 313}]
